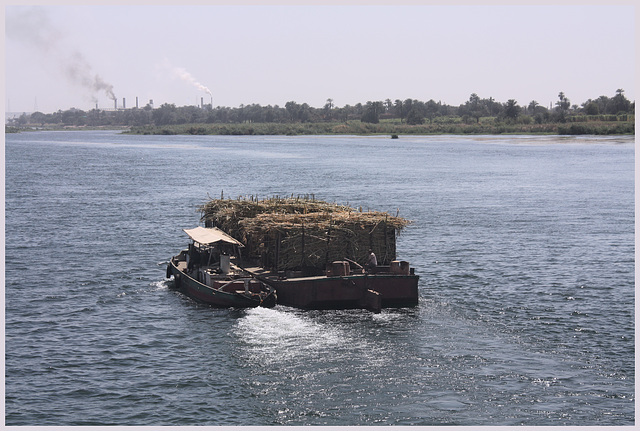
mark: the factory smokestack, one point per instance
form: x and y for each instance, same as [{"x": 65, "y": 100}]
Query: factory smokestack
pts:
[
  {"x": 202, "y": 102},
  {"x": 136, "y": 102},
  {"x": 124, "y": 103},
  {"x": 115, "y": 103}
]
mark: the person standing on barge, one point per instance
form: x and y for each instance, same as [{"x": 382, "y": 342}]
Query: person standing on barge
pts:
[{"x": 372, "y": 262}]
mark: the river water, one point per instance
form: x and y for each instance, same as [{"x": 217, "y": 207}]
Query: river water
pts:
[{"x": 524, "y": 246}]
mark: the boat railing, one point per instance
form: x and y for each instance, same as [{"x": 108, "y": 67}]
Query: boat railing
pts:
[
  {"x": 181, "y": 257},
  {"x": 341, "y": 268}
]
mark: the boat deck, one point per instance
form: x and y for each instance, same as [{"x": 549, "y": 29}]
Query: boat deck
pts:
[
  {"x": 265, "y": 273},
  {"x": 256, "y": 270}
]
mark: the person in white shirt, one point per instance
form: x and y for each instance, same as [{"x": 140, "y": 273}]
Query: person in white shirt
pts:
[{"x": 372, "y": 262}]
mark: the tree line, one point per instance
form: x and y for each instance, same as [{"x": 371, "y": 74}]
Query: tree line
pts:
[{"x": 408, "y": 111}]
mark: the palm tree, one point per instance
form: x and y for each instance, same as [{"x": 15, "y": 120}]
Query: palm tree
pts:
[{"x": 512, "y": 110}]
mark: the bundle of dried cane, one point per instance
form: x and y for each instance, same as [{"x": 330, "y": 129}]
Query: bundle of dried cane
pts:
[{"x": 296, "y": 232}]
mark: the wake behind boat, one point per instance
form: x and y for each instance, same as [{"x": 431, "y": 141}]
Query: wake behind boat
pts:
[{"x": 206, "y": 272}]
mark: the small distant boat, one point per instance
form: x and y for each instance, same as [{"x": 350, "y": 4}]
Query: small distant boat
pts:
[{"x": 205, "y": 272}]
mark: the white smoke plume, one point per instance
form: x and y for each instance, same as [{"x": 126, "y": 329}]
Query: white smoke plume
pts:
[
  {"x": 33, "y": 27},
  {"x": 187, "y": 77}
]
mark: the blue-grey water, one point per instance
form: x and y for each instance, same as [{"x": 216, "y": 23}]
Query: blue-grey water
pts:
[{"x": 524, "y": 245}]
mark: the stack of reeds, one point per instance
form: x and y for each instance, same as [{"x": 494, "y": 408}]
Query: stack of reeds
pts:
[{"x": 302, "y": 232}]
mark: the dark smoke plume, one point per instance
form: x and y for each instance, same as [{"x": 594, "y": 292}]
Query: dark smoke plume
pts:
[
  {"x": 78, "y": 71},
  {"x": 33, "y": 27}
]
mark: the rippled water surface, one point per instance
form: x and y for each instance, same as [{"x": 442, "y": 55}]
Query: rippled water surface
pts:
[{"x": 524, "y": 245}]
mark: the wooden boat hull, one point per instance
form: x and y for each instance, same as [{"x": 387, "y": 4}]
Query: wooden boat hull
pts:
[
  {"x": 223, "y": 293},
  {"x": 370, "y": 291}
]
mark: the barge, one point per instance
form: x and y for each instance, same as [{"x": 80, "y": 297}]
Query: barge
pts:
[
  {"x": 314, "y": 254},
  {"x": 383, "y": 286}
]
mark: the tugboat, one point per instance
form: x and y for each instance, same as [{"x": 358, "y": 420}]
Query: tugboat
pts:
[{"x": 206, "y": 273}]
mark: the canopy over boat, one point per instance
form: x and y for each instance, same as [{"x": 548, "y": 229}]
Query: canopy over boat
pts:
[{"x": 209, "y": 236}]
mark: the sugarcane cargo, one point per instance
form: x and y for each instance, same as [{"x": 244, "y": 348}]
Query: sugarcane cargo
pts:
[
  {"x": 308, "y": 248},
  {"x": 288, "y": 234}
]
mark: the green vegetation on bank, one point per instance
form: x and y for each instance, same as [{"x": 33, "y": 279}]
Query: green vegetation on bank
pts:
[
  {"x": 602, "y": 116},
  {"x": 356, "y": 127}
]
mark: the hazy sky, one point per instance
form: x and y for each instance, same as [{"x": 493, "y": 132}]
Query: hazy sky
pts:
[{"x": 58, "y": 57}]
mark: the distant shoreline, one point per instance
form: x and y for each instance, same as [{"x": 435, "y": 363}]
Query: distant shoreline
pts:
[{"x": 361, "y": 128}]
